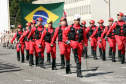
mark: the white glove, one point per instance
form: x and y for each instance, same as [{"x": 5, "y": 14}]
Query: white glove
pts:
[
  {"x": 27, "y": 39},
  {"x": 40, "y": 46},
  {"x": 89, "y": 39},
  {"x": 52, "y": 45},
  {"x": 100, "y": 40},
  {"x": 19, "y": 45},
  {"x": 106, "y": 38},
  {"x": 67, "y": 42},
  {"x": 18, "y": 41}
]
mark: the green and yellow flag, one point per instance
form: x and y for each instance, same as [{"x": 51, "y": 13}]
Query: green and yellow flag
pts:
[{"x": 30, "y": 12}]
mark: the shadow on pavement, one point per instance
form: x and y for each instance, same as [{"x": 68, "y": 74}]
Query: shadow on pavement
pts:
[
  {"x": 94, "y": 69},
  {"x": 96, "y": 74},
  {"x": 8, "y": 68},
  {"x": 5, "y": 54}
]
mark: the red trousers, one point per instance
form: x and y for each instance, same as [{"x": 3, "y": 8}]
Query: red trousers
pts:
[
  {"x": 27, "y": 45},
  {"x": 22, "y": 48},
  {"x": 121, "y": 43},
  {"x": 94, "y": 43},
  {"x": 50, "y": 49},
  {"x": 37, "y": 42},
  {"x": 112, "y": 43},
  {"x": 64, "y": 50},
  {"x": 102, "y": 44},
  {"x": 78, "y": 46},
  {"x": 32, "y": 48}
]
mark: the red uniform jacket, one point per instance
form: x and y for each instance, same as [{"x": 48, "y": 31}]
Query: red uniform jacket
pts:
[
  {"x": 105, "y": 32},
  {"x": 24, "y": 34},
  {"x": 20, "y": 32},
  {"x": 102, "y": 29},
  {"x": 39, "y": 28},
  {"x": 50, "y": 30},
  {"x": 78, "y": 27},
  {"x": 64, "y": 34},
  {"x": 121, "y": 23},
  {"x": 94, "y": 28}
]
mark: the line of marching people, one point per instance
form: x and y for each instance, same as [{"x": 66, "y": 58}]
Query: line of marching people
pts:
[{"x": 74, "y": 37}]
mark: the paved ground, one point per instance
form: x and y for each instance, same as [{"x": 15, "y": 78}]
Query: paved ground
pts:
[{"x": 13, "y": 72}]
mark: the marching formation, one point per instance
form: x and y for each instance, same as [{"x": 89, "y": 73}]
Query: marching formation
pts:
[{"x": 76, "y": 36}]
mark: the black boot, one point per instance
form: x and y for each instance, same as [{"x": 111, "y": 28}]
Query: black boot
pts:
[
  {"x": 79, "y": 70},
  {"x": 30, "y": 59},
  {"x": 113, "y": 57},
  {"x": 122, "y": 58},
  {"x": 119, "y": 55},
  {"x": 103, "y": 58},
  {"x": 54, "y": 64},
  {"x": 18, "y": 56},
  {"x": 95, "y": 56},
  {"x": 62, "y": 61},
  {"x": 36, "y": 61},
  {"x": 48, "y": 59},
  {"x": 86, "y": 56},
  {"x": 100, "y": 51},
  {"x": 92, "y": 50},
  {"x": 75, "y": 56},
  {"x": 110, "y": 52},
  {"x": 33, "y": 60},
  {"x": 22, "y": 60},
  {"x": 39, "y": 57},
  {"x": 27, "y": 54},
  {"x": 68, "y": 71},
  {"x": 42, "y": 63}
]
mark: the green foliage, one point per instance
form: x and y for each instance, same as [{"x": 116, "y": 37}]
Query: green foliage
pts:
[{"x": 15, "y": 14}]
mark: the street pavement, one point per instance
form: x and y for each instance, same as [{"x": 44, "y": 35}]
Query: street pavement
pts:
[{"x": 99, "y": 72}]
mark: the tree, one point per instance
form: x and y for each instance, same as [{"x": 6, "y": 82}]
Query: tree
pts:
[{"x": 15, "y": 14}]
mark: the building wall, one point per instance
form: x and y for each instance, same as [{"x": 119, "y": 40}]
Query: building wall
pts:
[
  {"x": 99, "y": 9},
  {"x": 117, "y": 6},
  {"x": 73, "y": 7},
  {"x": 90, "y": 9},
  {"x": 81, "y": 7},
  {"x": 4, "y": 15}
]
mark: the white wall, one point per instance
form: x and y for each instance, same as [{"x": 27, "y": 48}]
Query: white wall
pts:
[
  {"x": 116, "y": 7},
  {"x": 99, "y": 9},
  {"x": 4, "y": 17}
]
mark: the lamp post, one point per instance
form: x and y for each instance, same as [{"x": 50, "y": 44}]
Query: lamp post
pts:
[{"x": 108, "y": 2}]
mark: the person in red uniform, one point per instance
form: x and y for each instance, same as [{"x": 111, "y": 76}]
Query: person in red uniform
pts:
[
  {"x": 28, "y": 25},
  {"x": 62, "y": 38},
  {"x": 119, "y": 29},
  {"x": 111, "y": 39},
  {"x": 47, "y": 36},
  {"x": 25, "y": 34},
  {"x": 32, "y": 46},
  {"x": 77, "y": 37},
  {"x": 18, "y": 46},
  {"x": 83, "y": 23},
  {"x": 90, "y": 30},
  {"x": 101, "y": 43},
  {"x": 38, "y": 32}
]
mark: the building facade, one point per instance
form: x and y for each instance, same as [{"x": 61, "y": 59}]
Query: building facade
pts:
[
  {"x": 72, "y": 7},
  {"x": 90, "y": 9}
]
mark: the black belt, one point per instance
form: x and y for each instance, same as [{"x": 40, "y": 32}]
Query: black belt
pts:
[
  {"x": 121, "y": 35},
  {"x": 33, "y": 40}
]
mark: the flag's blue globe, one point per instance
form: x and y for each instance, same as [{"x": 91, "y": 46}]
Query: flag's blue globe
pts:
[{"x": 41, "y": 14}]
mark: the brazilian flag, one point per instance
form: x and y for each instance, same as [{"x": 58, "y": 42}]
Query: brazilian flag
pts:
[{"x": 30, "y": 12}]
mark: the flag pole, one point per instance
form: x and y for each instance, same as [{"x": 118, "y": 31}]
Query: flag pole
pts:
[{"x": 8, "y": 15}]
